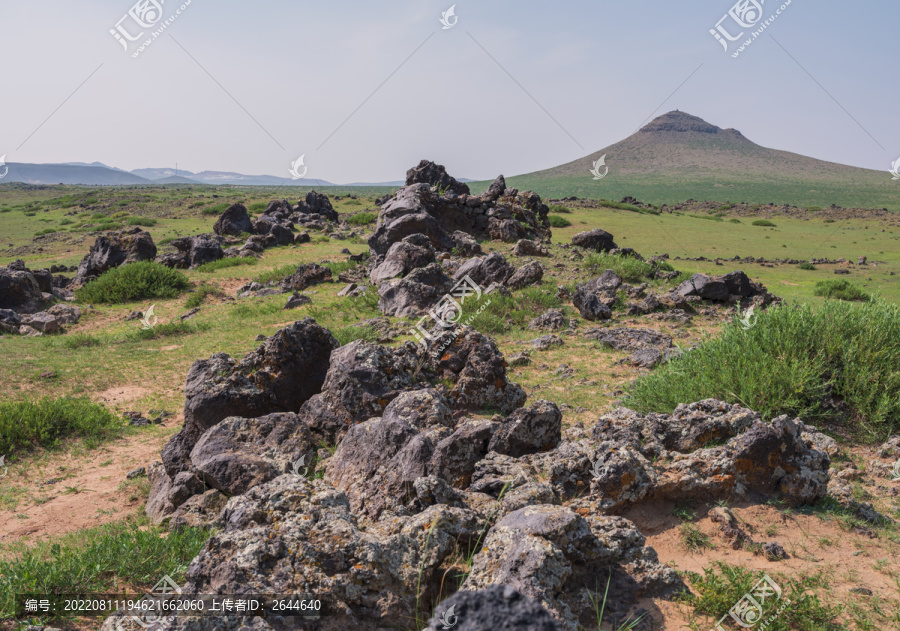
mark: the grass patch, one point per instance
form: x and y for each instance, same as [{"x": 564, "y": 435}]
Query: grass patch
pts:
[
  {"x": 710, "y": 217},
  {"x": 630, "y": 269},
  {"x": 25, "y": 425},
  {"x": 629, "y": 207},
  {"x": 840, "y": 289},
  {"x": 98, "y": 560},
  {"x": 77, "y": 340},
  {"x": 279, "y": 273},
  {"x": 218, "y": 209},
  {"x": 212, "y": 266},
  {"x": 104, "y": 227},
  {"x": 516, "y": 310},
  {"x": 559, "y": 209},
  {"x": 789, "y": 363},
  {"x": 809, "y": 267},
  {"x": 171, "y": 329},
  {"x": 147, "y": 222},
  {"x": 200, "y": 294},
  {"x": 134, "y": 281},
  {"x": 346, "y": 334},
  {"x": 764, "y": 222},
  {"x": 722, "y": 586},
  {"x": 258, "y": 207},
  {"x": 558, "y": 222},
  {"x": 362, "y": 219}
]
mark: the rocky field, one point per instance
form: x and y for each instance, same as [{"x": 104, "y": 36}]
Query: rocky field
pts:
[{"x": 458, "y": 412}]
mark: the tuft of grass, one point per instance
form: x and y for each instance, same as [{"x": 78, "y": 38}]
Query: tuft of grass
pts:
[
  {"x": 25, "y": 425},
  {"x": 212, "y": 266},
  {"x": 518, "y": 309},
  {"x": 279, "y": 273},
  {"x": 629, "y": 207},
  {"x": 793, "y": 361},
  {"x": 98, "y": 560},
  {"x": 840, "y": 289},
  {"x": 78, "y": 340},
  {"x": 200, "y": 294},
  {"x": 809, "y": 267},
  {"x": 134, "y": 281},
  {"x": 218, "y": 209},
  {"x": 558, "y": 222},
  {"x": 346, "y": 334},
  {"x": 722, "y": 586},
  {"x": 258, "y": 207},
  {"x": 764, "y": 222},
  {"x": 140, "y": 221},
  {"x": 630, "y": 269},
  {"x": 363, "y": 219},
  {"x": 559, "y": 209}
]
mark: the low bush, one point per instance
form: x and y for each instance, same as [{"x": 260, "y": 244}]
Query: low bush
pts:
[
  {"x": 134, "y": 281},
  {"x": 171, "y": 329},
  {"x": 363, "y": 219},
  {"x": 218, "y": 209},
  {"x": 764, "y": 222},
  {"x": 558, "y": 222},
  {"x": 200, "y": 294},
  {"x": 25, "y": 425},
  {"x": 840, "y": 289},
  {"x": 630, "y": 269},
  {"x": 346, "y": 334},
  {"x": 141, "y": 221},
  {"x": 258, "y": 207},
  {"x": 793, "y": 361},
  {"x": 559, "y": 209},
  {"x": 807, "y": 266}
]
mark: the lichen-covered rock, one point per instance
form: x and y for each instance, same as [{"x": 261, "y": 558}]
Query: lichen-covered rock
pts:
[
  {"x": 487, "y": 270},
  {"x": 495, "y": 608},
  {"x": 455, "y": 456},
  {"x": 590, "y": 306},
  {"x": 412, "y": 252},
  {"x": 279, "y": 376},
  {"x": 238, "y": 453},
  {"x": 631, "y": 340},
  {"x": 529, "y": 430},
  {"x": 550, "y": 320}
]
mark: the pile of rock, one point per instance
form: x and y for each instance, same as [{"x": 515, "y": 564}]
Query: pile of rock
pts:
[{"x": 24, "y": 298}]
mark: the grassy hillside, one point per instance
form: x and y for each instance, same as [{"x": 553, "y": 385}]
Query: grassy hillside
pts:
[{"x": 677, "y": 157}]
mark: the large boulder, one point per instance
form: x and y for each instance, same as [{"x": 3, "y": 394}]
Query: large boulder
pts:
[
  {"x": 416, "y": 209},
  {"x": 720, "y": 288},
  {"x": 596, "y": 239},
  {"x": 114, "y": 249},
  {"x": 436, "y": 175},
  {"x": 486, "y": 271},
  {"x": 317, "y": 204},
  {"x": 528, "y": 274},
  {"x": 238, "y": 454},
  {"x": 19, "y": 291},
  {"x": 529, "y": 430},
  {"x": 279, "y": 376},
  {"x": 193, "y": 252},
  {"x": 422, "y": 289},
  {"x": 233, "y": 222},
  {"x": 412, "y": 252},
  {"x": 590, "y": 306}
]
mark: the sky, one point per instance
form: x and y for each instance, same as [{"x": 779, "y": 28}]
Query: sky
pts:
[{"x": 364, "y": 90}]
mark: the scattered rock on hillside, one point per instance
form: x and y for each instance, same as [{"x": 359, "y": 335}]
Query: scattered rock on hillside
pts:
[
  {"x": 316, "y": 205},
  {"x": 597, "y": 240},
  {"x": 306, "y": 276},
  {"x": 233, "y": 222},
  {"x": 114, "y": 249},
  {"x": 528, "y": 274},
  {"x": 436, "y": 175},
  {"x": 526, "y": 247},
  {"x": 412, "y": 252},
  {"x": 19, "y": 291},
  {"x": 421, "y": 289},
  {"x": 590, "y": 306},
  {"x": 193, "y": 252}
]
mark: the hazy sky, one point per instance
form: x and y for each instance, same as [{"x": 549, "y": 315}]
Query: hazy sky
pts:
[{"x": 250, "y": 86}]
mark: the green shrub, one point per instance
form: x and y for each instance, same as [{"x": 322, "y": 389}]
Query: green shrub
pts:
[
  {"x": 792, "y": 361},
  {"x": 840, "y": 289},
  {"x": 813, "y": 209},
  {"x": 25, "y": 425},
  {"x": 141, "y": 221},
  {"x": 134, "y": 281},
  {"x": 87, "y": 201},
  {"x": 828, "y": 221},
  {"x": 170, "y": 329},
  {"x": 103, "y": 227},
  {"x": 98, "y": 560},
  {"x": 734, "y": 220},
  {"x": 257, "y": 207},
  {"x": 98, "y": 216},
  {"x": 279, "y": 273},
  {"x": 120, "y": 215},
  {"x": 710, "y": 217},
  {"x": 363, "y": 219},
  {"x": 629, "y": 207},
  {"x": 807, "y": 266},
  {"x": 218, "y": 209},
  {"x": 558, "y": 222},
  {"x": 29, "y": 214},
  {"x": 630, "y": 269},
  {"x": 65, "y": 222},
  {"x": 764, "y": 222},
  {"x": 500, "y": 312},
  {"x": 45, "y": 231},
  {"x": 559, "y": 209},
  {"x": 212, "y": 266}
]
